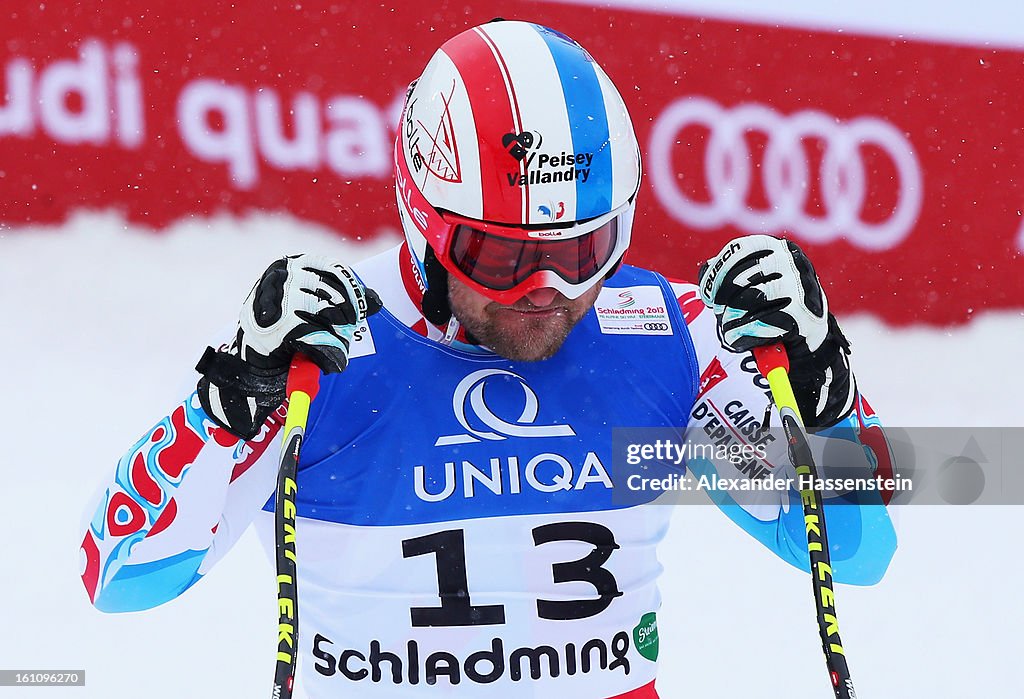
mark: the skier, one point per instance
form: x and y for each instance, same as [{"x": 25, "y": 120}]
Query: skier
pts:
[{"x": 460, "y": 530}]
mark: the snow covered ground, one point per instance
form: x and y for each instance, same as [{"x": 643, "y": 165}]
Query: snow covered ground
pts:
[{"x": 101, "y": 321}]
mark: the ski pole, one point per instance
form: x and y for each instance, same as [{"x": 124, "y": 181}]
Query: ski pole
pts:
[
  {"x": 773, "y": 363},
  {"x": 302, "y": 386}
]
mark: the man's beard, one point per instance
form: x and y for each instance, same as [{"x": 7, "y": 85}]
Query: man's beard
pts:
[{"x": 520, "y": 331}]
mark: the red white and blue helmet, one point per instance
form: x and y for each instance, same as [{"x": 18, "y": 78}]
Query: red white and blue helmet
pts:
[{"x": 516, "y": 163}]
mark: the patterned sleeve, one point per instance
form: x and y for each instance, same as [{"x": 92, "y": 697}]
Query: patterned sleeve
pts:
[
  {"x": 733, "y": 408},
  {"x": 179, "y": 499}
]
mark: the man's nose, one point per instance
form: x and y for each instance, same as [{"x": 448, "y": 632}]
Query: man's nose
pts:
[{"x": 542, "y": 297}]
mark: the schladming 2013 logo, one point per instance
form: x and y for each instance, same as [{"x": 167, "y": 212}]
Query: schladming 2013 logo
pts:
[{"x": 469, "y": 401}]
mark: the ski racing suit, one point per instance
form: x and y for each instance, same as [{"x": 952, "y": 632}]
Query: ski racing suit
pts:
[{"x": 459, "y": 532}]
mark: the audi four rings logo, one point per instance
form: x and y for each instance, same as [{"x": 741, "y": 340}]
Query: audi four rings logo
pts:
[
  {"x": 469, "y": 397},
  {"x": 655, "y": 326},
  {"x": 729, "y": 170}
]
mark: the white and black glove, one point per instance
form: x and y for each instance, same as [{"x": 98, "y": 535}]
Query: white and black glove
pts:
[
  {"x": 764, "y": 290},
  {"x": 302, "y": 303}
]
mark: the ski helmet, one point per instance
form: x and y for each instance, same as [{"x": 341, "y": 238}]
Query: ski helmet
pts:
[{"x": 516, "y": 165}]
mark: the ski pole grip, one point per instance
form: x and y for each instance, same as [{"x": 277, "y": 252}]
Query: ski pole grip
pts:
[
  {"x": 304, "y": 376},
  {"x": 770, "y": 357},
  {"x": 773, "y": 363}
]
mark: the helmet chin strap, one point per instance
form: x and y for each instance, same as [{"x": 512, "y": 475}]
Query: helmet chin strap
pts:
[
  {"x": 435, "y": 306},
  {"x": 451, "y": 331},
  {"x": 435, "y": 299}
]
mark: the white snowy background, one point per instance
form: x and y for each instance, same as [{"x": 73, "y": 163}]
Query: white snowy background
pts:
[{"x": 101, "y": 320}]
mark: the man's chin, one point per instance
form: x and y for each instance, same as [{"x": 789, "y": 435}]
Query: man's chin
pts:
[
  {"x": 522, "y": 332},
  {"x": 527, "y": 337},
  {"x": 527, "y": 353}
]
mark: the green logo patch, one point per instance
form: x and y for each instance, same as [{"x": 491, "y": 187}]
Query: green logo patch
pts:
[{"x": 645, "y": 636}]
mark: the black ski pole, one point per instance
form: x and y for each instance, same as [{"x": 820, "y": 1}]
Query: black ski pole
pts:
[
  {"x": 773, "y": 363},
  {"x": 303, "y": 383}
]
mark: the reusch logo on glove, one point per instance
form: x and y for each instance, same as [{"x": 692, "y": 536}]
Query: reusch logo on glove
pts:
[{"x": 713, "y": 272}]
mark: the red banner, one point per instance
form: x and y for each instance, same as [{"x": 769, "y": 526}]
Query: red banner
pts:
[{"x": 895, "y": 164}]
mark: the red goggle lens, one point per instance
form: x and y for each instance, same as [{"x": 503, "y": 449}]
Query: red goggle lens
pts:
[{"x": 500, "y": 263}]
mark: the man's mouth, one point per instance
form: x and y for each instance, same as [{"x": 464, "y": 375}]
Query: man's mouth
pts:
[{"x": 537, "y": 311}]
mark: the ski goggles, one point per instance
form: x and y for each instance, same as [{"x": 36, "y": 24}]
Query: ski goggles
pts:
[{"x": 506, "y": 262}]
